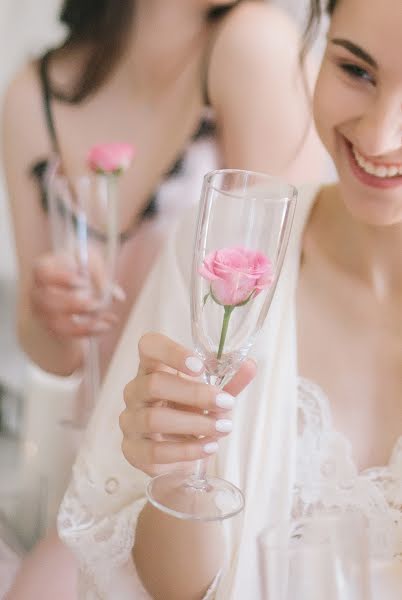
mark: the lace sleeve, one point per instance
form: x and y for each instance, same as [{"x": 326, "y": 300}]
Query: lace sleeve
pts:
[
  {"x": 98, "y": 515},
  {"x": 103, "y": 543}
]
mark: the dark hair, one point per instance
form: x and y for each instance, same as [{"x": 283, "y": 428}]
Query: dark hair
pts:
[
  {"x": 315, "y": 14},
  {"x": 102, "y": 26}
]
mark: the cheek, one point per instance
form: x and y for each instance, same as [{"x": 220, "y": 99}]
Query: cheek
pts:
[{"x": 327, "y": 115}]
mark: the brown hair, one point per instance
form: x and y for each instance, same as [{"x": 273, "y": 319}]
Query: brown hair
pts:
[
  {"x": 315, "y": 14},
  {"x": 103, "y": 26}
]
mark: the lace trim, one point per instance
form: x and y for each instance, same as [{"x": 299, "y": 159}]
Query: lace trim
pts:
[
  {"x": 103, "y": 543},
  {"x": 326, "y": 475}
]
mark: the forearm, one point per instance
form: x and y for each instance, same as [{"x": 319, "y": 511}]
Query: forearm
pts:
[
  {"x": 61, "y": 357},
  {"x": 176, "y": 559}
]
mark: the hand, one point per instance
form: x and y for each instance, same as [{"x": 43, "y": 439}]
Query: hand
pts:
[
  {"x": 163, "y": 417},
  {"x": 62, "y": 300}
]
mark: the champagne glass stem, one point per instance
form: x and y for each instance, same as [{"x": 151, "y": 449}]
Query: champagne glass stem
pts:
[
  {"x": 112, "y": 228},
  {"x": 91, "y": 381},
  {"x": 199, "y": 476},
  {"x": 200, "y": 470}
]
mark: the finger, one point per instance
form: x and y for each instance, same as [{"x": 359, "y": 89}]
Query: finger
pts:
[
  {"x": 168, "y": 421},
  {"x": 78, "y": 326},
  {"x": 150, "y": 452},
  {"x": 168, "y": 387},
  {"x": 60, "y": 270},
  {"x": 155, "y": 349},
  {"x": 59, "y": 300},
  {"x": 97, "y": 270},
  {"x": 243, "y": 377}
]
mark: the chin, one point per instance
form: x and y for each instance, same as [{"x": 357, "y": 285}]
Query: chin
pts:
[{"x": 371, "y": 209}]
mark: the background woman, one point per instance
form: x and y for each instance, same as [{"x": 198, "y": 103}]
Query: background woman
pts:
[{"x": 194, "y": 85}]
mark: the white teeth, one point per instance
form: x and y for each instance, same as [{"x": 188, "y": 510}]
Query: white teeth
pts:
[{"x": 381, "y": 171}]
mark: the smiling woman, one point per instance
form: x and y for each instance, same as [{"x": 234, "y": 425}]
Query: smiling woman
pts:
[{"x": 362, "y": 130}]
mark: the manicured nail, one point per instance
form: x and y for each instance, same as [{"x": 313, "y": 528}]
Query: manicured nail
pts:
[
  {"x": 210, "y": 448},
  {"x": 194, "y": 364},
  {"x": 224, "y": 400},
  {"x": 118, "y": 293},
  {"x": 224, "y": 425}
]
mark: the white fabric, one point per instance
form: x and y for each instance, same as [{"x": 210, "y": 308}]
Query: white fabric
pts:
[
  {"x": 327, "y": 476},
  {"x": 283, "y": 441},
  {"x": 98, "y": 515}
]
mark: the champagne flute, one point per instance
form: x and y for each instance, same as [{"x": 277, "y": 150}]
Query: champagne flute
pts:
[
  {"x": 243, "y": 228},
  {"x": 83, "y": 215},
  {"x": 324, "y": 555}
]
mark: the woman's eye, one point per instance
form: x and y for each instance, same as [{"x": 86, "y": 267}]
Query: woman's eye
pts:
[{"x": 356, "y": 72}]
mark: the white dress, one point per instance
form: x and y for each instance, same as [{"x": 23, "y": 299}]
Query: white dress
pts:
[{"x": 281, "y": 450}]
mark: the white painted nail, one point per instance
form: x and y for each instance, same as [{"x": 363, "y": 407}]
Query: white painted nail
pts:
[
  {"x": 118, "y": 293},
  {"x": 224, "y": 400},
  {"x": 194, "y": 364},
  {"x": 210, "y": 448},
  {"x": 224, "y": 425}
]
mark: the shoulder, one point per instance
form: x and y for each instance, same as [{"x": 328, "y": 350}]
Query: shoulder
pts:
[
  {"x": 22, "y": 112},
  {"x": 254, "y": 32},
  {"x": 22, "y": 92}
]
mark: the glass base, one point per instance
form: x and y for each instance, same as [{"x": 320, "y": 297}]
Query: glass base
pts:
[{"x": 186, "y": 497}]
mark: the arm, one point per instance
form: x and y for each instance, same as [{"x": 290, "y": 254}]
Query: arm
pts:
[
  {"x": 161, "y": 550},
  {"x": 135, "y": 535},
  {"x": 257, "y": 88},
  {"x": 48, "y": 291}
]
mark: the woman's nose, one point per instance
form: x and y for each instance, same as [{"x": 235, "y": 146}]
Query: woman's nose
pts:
[{"x": 379, "y": 131}]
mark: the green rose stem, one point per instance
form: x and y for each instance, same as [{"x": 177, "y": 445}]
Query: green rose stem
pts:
[
  {"x": 225, "y": 325},
  {"x": 112, "y": 222}
]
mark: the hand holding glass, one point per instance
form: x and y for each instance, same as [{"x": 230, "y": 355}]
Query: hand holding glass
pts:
[
  {"x": 84, "y": 226},
  {"x": 242, "y": 233}
]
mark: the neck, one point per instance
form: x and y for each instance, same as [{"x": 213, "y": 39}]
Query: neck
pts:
[
  {"x": 165, "y": 37},
  {"x": 371, "y": 253}
]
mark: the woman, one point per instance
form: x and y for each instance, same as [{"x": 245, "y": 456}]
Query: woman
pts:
[
  {"x": 341, "y": 286},
  {"x": 174, "y": 78}
]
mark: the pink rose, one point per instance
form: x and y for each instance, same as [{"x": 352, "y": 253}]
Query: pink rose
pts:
[
  {"x": 110, "y": 158},
  {"x": 236, "y": 274}
]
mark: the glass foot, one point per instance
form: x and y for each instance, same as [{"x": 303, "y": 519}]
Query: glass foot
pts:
[{"x": 186, "y": 497}]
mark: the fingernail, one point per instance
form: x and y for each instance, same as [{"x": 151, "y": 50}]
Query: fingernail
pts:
[
  {"x": 210, "y": 448},
  {"x": 194, "y": 364},
  {"x": 119, "y": 293},
  {"x": 224, "y": 400},
  {"x": 224, "y": 425}
]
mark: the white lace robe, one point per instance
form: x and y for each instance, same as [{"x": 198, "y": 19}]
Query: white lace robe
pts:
[{"x": 99, "y": 512}]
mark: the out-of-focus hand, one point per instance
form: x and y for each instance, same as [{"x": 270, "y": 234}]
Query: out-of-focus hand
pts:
[
  {"x": 163, "y": 421},
  {"x": 63, "y": 301}
]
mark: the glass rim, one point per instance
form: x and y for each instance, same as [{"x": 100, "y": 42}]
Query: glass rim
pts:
[{"x": 208, "y": 177}]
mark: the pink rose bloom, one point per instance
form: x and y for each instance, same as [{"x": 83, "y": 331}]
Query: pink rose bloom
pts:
[
  {"x": 236, "y": 273},
  {"x": 110, "y": 158}
]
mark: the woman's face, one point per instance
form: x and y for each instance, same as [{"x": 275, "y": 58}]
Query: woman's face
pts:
[{"x": 358, "y": 106}]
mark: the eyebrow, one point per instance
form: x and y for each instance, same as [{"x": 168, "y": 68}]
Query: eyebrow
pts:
[{"x": 356, "y": 50}]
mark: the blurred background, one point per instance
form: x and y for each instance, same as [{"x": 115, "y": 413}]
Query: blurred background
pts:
[{"x": 29, "y": 451}]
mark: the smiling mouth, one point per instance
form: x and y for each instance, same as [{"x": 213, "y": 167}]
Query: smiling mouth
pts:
[{"x": 374, "y": 169}]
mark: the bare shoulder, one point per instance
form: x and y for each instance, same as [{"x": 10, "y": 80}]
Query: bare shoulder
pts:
[
  {"x": 22, "y": 114},
  {"x": 256, "y": 28}
]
